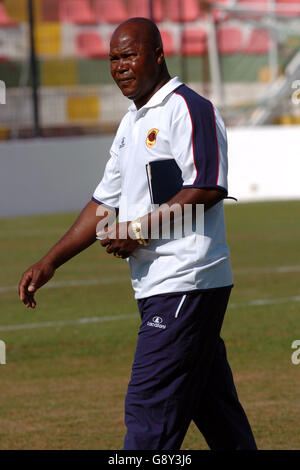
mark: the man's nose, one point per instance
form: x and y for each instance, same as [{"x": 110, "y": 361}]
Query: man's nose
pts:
[{"x": 122, "y": 66}]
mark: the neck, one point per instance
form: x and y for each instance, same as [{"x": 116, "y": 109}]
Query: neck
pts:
[{"x": 163, "y": 80}]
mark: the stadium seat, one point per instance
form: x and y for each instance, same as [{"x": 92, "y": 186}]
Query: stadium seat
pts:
[
  {"x": 229, "y": 40},
  {"x": 168, "y": 42},
  {"x": 258, "y": 43},
  {"x": 48, "y": 38},
  {"x": 194, "y": 42},
  {"x": 50, "y": 10},
  {"x": 16, "y": 9},
  {"x": 110, "y": 11},
  {"x": 89, "y": 44},
  {"x": 256, "y": 8},
  {"x": 5, "y": 20},
  {"x": 259, "y": 5},
  {"x": 218, "y": 14},
  {"x": 288, "y": 7},
  {"x": 76, "y": 11},
  {"x": 179, "y": 11},
  {"x": 59, "y": 72},
  {"x": 142, "y": 8},
  {"x": 83, "y": 108}
]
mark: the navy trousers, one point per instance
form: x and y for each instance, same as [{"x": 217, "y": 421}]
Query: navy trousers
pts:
[{"x": 180, "y": 373}]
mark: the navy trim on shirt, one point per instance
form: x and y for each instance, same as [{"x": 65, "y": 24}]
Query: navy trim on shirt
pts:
[
  {"x": 105, "y": 205},
  {"x": 204, "y": 136}
]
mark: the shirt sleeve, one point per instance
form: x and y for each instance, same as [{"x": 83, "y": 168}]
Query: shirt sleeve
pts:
[
  {"x": 109, "y": 189},
  {"x": 199, "y": 142}
]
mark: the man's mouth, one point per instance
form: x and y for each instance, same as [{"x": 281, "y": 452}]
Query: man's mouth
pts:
[{"x": 125, "y": 81}]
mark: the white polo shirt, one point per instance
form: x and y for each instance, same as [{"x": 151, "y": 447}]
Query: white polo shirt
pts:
[{"x": 189, "y": 129}]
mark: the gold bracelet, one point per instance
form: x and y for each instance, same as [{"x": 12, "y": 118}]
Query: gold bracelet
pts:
[{"x": 137, "y": 230}]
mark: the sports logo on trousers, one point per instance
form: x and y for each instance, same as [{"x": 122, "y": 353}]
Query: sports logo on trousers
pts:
[
  {"x": 151, "y": 137},
  {"x": 157, "y": 322}
]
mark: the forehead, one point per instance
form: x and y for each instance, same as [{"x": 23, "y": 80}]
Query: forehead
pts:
[
  {"x": 123, "y": 41},
  {"x": 124, "y": 38}
]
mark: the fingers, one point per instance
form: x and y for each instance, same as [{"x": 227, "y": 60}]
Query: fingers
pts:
[
  {"x": 30, "y": 301},
  {"x": 111, "y": 247},
  {"x": 34, "y": 283},
  {"x": 25, "y": 295},
  {"x": 118, "y": 242},
  {"x": 25, "y": 280},
  {"x": 120, "y": 249},
  {"x": 28, "y": 286},
  {"x": 34, "y": 278},
  {"x": 105, "y": 242}
]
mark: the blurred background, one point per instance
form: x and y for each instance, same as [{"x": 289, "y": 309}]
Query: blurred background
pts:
[
  {"x": 62, "y": 108},
  {"x": 68, "y": 362},
  {"x": 242, "y": 54}
]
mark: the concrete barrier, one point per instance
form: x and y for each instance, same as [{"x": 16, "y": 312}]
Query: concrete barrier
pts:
[
  {"x": 56, "y": 175},
  {"x": 264, "y": 163},
  {"x": 50, "y": 175}
]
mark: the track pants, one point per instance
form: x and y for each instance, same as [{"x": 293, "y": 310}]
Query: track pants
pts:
[{"x": 180, "y": 373}]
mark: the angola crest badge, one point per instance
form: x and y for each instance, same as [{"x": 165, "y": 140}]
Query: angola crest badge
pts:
[{"x": 151, "y": 137}]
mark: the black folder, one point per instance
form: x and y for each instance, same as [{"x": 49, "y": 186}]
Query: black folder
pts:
[{"x": 164, "y": 179}]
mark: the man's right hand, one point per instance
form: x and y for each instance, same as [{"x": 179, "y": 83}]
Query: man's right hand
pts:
[
  {"x": 80, "y": 236},
  {"x": 34, "y": 278}
]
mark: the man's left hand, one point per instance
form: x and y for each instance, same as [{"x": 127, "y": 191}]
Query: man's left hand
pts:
[{"x": 117, "y": 240}]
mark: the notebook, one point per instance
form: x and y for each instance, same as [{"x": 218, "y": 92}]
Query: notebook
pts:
[{"x": 164, "y": 180}]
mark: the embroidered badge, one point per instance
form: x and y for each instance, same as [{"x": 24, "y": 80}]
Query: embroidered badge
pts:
[{"x": 151, "y": 137}]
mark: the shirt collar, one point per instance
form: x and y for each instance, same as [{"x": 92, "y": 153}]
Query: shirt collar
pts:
[{"x": 160, "y": 95}]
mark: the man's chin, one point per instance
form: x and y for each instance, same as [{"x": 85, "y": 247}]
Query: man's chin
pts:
[{"x": 129, "y": 94}]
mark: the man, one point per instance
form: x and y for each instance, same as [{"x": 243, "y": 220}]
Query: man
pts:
[{"x": 180, "y": 371}]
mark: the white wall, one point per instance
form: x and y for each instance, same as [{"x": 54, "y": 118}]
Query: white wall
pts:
[
  {"x": 50, "y": 175},
  {"x": 264, "y": 163},
  {"x": 56, "y": 175}
]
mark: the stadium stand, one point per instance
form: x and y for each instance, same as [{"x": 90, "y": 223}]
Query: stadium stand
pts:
[
  {"x": 230, "y": 40},
  {"x": 182, "y": 11},
  {"x": 258, "y": 42},
  {"x": 83, "y": 108},
  {"x": 194, "y": 42},
  {"x": 292, "y": 7},
  {"x": 17, "y": 9},
  {"x": 72, "y": 40},
  {"x": 48, "y": 38},
  {"x": 141, "y": 8},
  {"x": 50, "y": 10},
  {"x": 77, "y": 12},
  {"x": 258, "y": 6},
  {"x": 168, "y": 43},
  {"x": 5, "y": 20},
  {"x": 56, "y": 72},
  {"x": 89, "y": 44},
  {"x": 110, "y": 11}
]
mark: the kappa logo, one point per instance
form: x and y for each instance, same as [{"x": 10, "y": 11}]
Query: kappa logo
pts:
[
  {"x": 151, "y": 137},
  {"x": 157, "y": 322}
]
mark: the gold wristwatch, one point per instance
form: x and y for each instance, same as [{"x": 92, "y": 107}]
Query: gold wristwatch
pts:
[{"x": 137, "y": 231}]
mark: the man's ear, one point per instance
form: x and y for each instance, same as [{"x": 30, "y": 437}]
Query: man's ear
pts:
[{"x": 160, "y": 55}]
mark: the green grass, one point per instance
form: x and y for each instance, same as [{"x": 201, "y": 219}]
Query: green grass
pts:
[{"x": 63, "y": 387}]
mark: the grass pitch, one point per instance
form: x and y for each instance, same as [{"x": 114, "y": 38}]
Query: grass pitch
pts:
[{"x": 64, "y": 385}]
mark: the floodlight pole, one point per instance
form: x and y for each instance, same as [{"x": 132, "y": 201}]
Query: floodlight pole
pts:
[
  {"x": 151, "y": 12},
  {"x": 183, "y": 59},
  {"x": 214, "y": 61},
  {"x": 34, "y": 72},
  {"x": 273, "y": 50}
]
